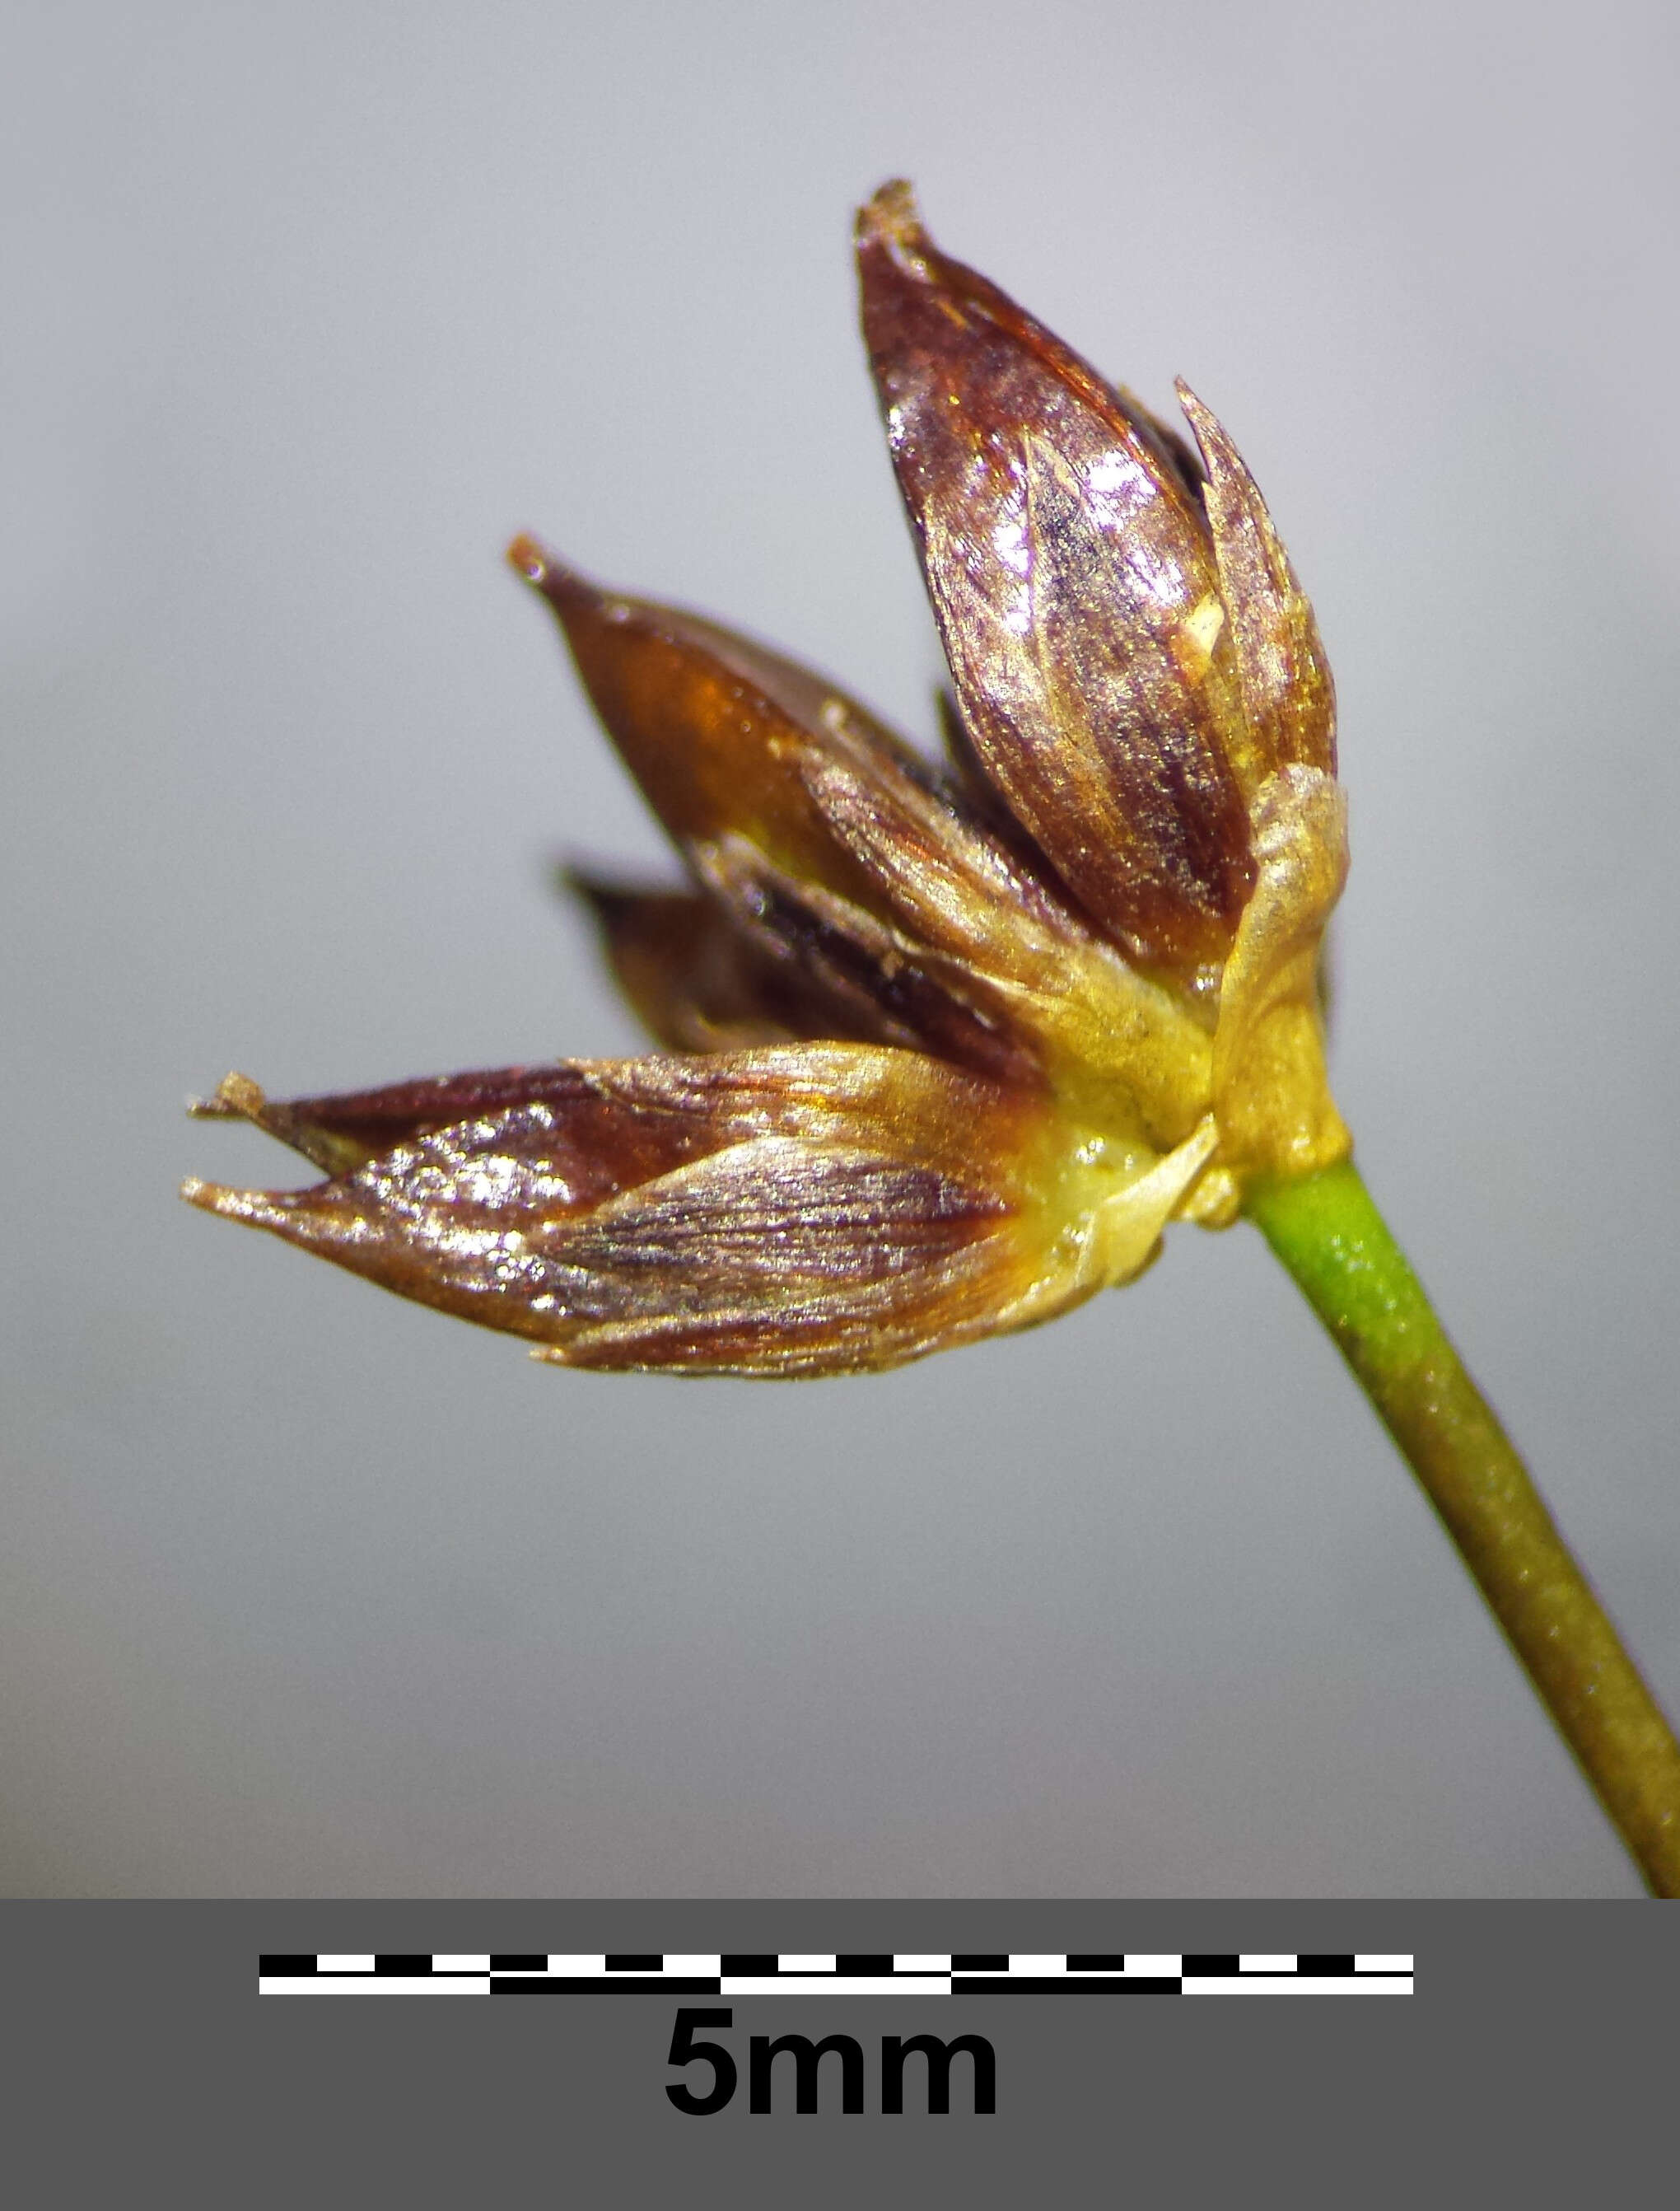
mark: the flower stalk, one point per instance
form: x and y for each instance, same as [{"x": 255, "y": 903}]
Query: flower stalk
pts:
[{"x": 1338, "y": 1248}]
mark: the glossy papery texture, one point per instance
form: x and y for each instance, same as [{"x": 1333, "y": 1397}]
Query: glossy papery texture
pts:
[
  {"x": 838, "y": 857},
  {"x": 952, "y": 1047},
  {"x": 1289, "y": 700},
  {"x": 1072, "y": 575},
  {"x": 698, "y": 982},
  {"x": 788, "y": 1211}
]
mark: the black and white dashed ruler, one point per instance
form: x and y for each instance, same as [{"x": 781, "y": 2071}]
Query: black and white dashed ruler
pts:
[{"x": 902, "y": 1974}]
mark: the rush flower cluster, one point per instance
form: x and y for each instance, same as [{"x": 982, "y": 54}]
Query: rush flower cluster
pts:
[{"x": 945, "y": 1051}]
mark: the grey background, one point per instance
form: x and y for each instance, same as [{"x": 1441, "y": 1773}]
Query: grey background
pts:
[{"x": 305, "y": 1591}]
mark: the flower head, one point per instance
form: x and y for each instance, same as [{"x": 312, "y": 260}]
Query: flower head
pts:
[{"x": 946, "y": 1049}]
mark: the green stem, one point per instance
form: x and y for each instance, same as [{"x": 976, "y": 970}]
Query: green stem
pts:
[{"x": 1336, "y": 1244}]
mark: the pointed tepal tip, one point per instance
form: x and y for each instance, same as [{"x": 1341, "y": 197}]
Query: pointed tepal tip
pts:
[
  {"x": 527, "y": 558},
  {"x": 606, "y": 901},
  {"x": 1218, "y": 456},
  {"x": 1199, "y": 413},
  {"x": 565, "y": 590},
  {"x": 891, "y": 217},
  {"x": 237, "y": 1098},
  {"x": 256, "y": 1206}
]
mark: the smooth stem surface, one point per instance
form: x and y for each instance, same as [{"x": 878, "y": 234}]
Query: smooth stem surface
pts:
[{"x": 1356, "y": 1278}]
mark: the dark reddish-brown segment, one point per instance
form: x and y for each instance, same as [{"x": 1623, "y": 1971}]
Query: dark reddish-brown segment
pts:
[
  {"x": 788, "y": 1210},
  {"x": 762, "y": 1260},
  {"x": 715, "y": 728},
  {"x": 600, "y": 1139},
  {"x": 817, "y": 830},
  {"x": 695, "y": 980},
  {"x": 1072, "y": 569}
]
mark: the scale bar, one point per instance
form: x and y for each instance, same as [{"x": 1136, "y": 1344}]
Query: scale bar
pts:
[{"x": 740, "y": 1974}]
